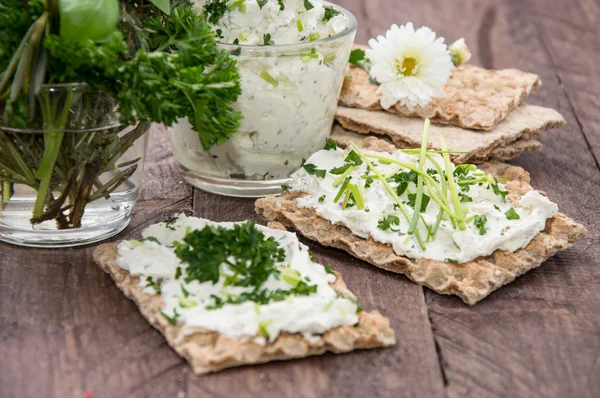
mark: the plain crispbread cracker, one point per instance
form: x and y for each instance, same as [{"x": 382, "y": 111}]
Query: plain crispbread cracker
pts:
[
  {"x": 471, "y": 281},
  {"x": 343, "y": 137},
  {"x": 210, "y": 352},
  {"x": 474, "y": 98},
  {"x": 526, "y": 122}
]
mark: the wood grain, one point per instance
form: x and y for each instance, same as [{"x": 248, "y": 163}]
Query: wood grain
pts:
[{"x": 66, "y": 329}]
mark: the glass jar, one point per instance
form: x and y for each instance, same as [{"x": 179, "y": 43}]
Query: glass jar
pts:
[
  {"x": 288, "y": 102},
  {"x": 71, "y": 175}
]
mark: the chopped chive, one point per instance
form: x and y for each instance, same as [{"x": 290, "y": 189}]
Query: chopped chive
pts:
[
  {"x": 329, "y": 57},
  {"x": 358, "y": 197},
  {"x": 243, "y": 35},
  {"x": 347, "y": 196},
  {"x": 299, "y": 25},
  {"x": 419, "y": 197},
  {"x": 341, "y": 178},
  {"x": 268, "y": 78},
  {"x": 342, "y": 190},
  {"x": 235, "y": 4},
  {"x": 458, "y": 212},
  {"x": 313, "y": 36}
]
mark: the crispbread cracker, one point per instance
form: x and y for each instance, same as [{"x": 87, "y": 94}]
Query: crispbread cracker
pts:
[
  {"x": 526, "y": 122},
  {"x": 210, "y": 352},
  {"x": 470, "y": 281},
  {"x": 473, "y": 97},
  {"x": 343, "y": 137}
]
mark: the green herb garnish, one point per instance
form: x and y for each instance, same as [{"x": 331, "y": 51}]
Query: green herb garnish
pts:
[
  {"x": 511, "y": 214},
  {"x": 177, "y": 272},
  {"x": 387, "y": 222},
  {"x": 330, "y": 145},
  {"x": 172, "y": 319},
  {"x": 281, "y": 5},
  {"x": 312, "y": 170},
  {"x": 267, "y": 39},
  {"x": 261, "y": 3},
  {"x": 424, "y": 202},
  {"x": 150, "y": 283},
  {"x": 356, "y": 56},
  {"x": 322, "y": 198},
  {"x": 340, "y": 170},
  {"x": 329, "y": 270},
  {"x": 330, "y": 12},
  {"x": 479, "y": 223},
  {"x": 451, "y": 260},
  {"x": 307, "y": 5},
  {"x": 354, "y": 159}
]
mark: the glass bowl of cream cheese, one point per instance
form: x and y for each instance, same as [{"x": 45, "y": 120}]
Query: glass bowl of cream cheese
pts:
[{"x": 291, "y": 57}]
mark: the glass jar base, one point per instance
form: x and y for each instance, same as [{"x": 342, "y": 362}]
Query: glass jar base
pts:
[
  {"x": 233, "y": 187},
  {"x": 102, "y": 220}
]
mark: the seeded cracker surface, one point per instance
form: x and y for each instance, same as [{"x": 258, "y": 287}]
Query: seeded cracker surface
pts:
[
  {"x": 525, "y": 123},
  {"x": 470, "y": 281},
  {"x": 473, "y": 98},
  {"x": 210, "y": 352}
]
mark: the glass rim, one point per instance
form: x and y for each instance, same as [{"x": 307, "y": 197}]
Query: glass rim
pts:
[{"x": 352, "y": 27}]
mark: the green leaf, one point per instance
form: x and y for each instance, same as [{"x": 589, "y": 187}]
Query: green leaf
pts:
[
  {"x": 163, "y": 5},
  {"x": 511, "y": 214},
  {"x": 356, "y": 56},
  {"x": 330, "y": 12},
  {"x": 424, "y": 202},
  {"x": 261, "y": 3},
  {"x": 386, "y": 223},
  {"x": 330, "y": 145},
  {"x": 307, "y": 5},
  {"x": 354, "y": 159},
  {"x": 479, "y": 223},
  {"x": 340, "y": 170},
  {"x": 312, "y": 170},
  {"x": 322, "y": 198}
]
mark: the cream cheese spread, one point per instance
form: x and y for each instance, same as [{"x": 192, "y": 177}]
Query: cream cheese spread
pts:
[
  {"x": 289, "y": 95},
  {"x": 191, "y": 304},
  {"x": 491, "y": 222}
]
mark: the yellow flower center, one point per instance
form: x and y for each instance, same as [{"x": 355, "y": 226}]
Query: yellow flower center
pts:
[{"x": 408, "y": 67}]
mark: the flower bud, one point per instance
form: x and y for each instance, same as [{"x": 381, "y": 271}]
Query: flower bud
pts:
[{"x": 459, "y": 52}]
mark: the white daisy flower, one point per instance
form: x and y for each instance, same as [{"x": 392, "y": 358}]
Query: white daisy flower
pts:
[{"x": 412, "y": 67}]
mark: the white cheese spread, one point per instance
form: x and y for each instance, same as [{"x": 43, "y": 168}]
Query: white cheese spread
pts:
[
  {"x": 191, "y": 303},
  {"x": 289, "y": 95},
  {"x": 491, "y": 222}
]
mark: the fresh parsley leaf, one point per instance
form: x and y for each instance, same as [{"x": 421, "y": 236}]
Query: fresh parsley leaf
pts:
[
  {"x": 401, "y": 188},
  {"x": 479, "y": 223},
  {"x": 184, "y": 291},
  {"x": 177, "y": 272},
  {"x": 511, "y": 214},
  {"x": 402, "y": 179},
  {"x": 329, "y": 145},
  {"x": 308, "y": 5},
  {"x": 432, "y": 172},
  {"x": 369, "y": 181},
  {"x": 330, "y": 12},
  {"x": 358, "y": 307},
  {"x": 244, "y": 248},
  {"x": 412, "y": 197},
  {"x": 214, "y": 10},
  {"x": 169, "y": 223},
  {"x": 312, "y": 170},
  {"x": 261, "y": 3},
  {"x": 386, "y": 223},
  {"x": 172, "y": 319},
  {"x": 451, "y": 260},
  {"x": 150, "y": 239},
  {"x": 356, "y": 56},
  {"x": 465, "y": 198},
  {"x": 329, "y": 270},
  {"x": 497, "y": 208},
  {"x": 322, "y": 199},
  {"x": 150, "y": 283},
  {"x": 462, "y": 170},
  {"x": 281, "y": 5},
  {"x": 267, "y": 39},
  {"x": 354, "y": 159},
  {"x": 285, "y": 186},
  {"x": 340, "y": 170},
  {"x": 263, "y": 296},
  {"x": 498, "y": 191}
]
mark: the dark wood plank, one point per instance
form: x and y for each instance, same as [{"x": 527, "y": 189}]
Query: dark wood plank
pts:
[
  {"x": 409, "y": 369},
  {"x": 539, "y": 336}
]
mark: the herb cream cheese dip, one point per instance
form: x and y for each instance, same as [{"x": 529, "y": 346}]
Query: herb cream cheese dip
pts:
[
  {"x": 240, "y": 280},
  {"x": 374, "y": 194},
  {"x": 291, "y": 56}
]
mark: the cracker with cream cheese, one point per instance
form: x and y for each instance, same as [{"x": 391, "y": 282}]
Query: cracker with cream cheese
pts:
[
  {"x": 210, "y": 352},
  {"x": 517, "y": 133},
  {"x": 473, "y": 98},
  {"x": 471, "y": 281}
]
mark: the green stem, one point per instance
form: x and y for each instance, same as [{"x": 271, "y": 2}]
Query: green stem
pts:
[
  {"x": 453, "y": 188},
  {"x": 342, "y": 177},
  {"x": 419, "y": 199},
  {"x": 388, "y": 188}
]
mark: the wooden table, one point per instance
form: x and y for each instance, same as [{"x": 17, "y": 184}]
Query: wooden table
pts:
[{"x": 65, "y": 328}]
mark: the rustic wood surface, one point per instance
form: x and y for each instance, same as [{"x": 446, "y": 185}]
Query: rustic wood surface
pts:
[{"x": 65, "y": 329}]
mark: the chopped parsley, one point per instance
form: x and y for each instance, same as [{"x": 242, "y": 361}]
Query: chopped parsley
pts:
[
  {"x": 352, "y": 299},
  {"x": 330, "y": 12},
  {"x": 341, "y": 169},
  {"x": 308, "y": 5},
  {"x": 368, "y": 181},
  {"x": 412, "y": 197},
  {"x": 150, "y": 283},
  {"x": 465, "y": 198},
  {"x": 479, "y": 223},
  {"x": 151, "y": 239},
  {"x": 497, "y": 208},
  {"x": 263, "y": 296},
  {"x": 498, "y": 191},
  {"x": 354, "y": 159},
  {"x": 244, "y": 248},
  {"x": 267, "y": 39},
  {"x": 172, "y": 319},
  {"x": 511, "y": 214},
  {"x": 329, "y": 270},
  {"x": 451, "y": 260},
  {"x": 386, "y": 223},
  {"x": 281, "y": 5},
  {"x": 462, "y": 170},
  {"x": 169, "y": 223},
  {"x": 177, "y": 272},
  {"x": 261, "y": 3},
  {"x": 322, "y": 199},
  {"x": 329, "y": 145},
  {"x": 215, "y": 9},
  {"x": 356, "y": 56},
  {"x": 312, "y": 170},
  {"x": 285, "y": 186}
]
